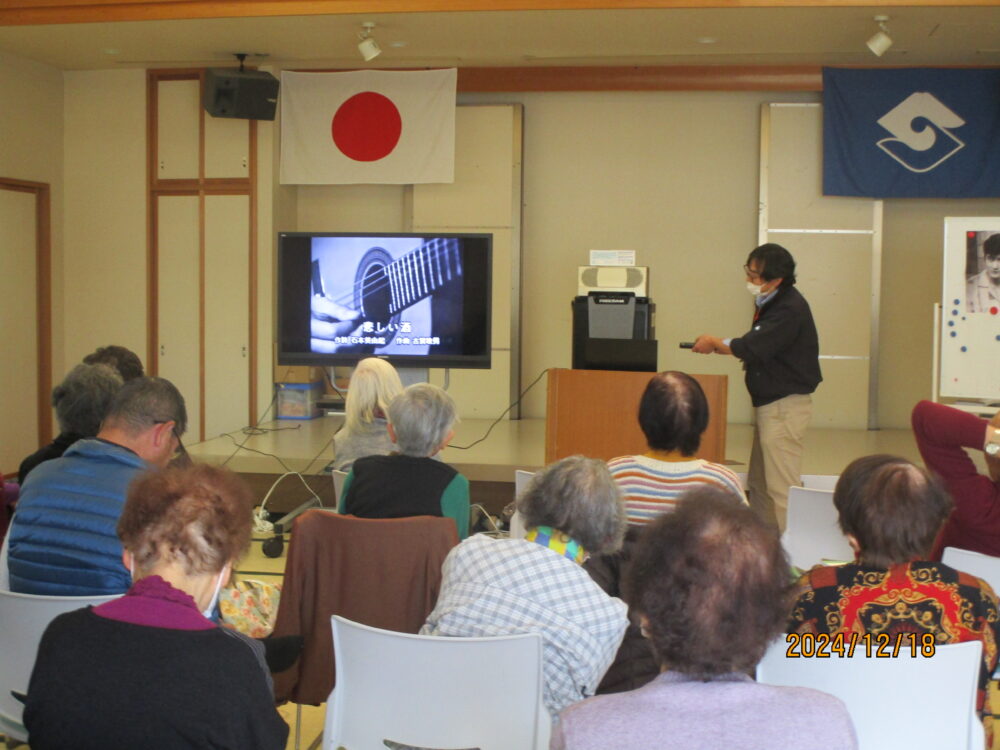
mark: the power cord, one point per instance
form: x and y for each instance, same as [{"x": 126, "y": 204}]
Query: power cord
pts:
[
  {"x": 326, "y": 374},
  {"x": 249, "y": 430},
  {"x": 502, "y": 415},
  {"x": 274, "y": 546},
  {"x": 483, "y": 513}
]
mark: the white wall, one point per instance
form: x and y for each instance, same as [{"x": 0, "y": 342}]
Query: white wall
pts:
[
  {"x": 31, "y": 148},
  {"x": 105, "y": 222},
  {"x": 672, "y": 175}
]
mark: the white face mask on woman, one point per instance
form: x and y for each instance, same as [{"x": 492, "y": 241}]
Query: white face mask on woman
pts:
[{"x": 209, "y": 611}]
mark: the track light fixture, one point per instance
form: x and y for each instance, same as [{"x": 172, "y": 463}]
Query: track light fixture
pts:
[
  {"x": 368, "y": 47},
  {"x": 880, "y": 41}
]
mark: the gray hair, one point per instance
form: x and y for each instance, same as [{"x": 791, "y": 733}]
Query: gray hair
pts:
[
  {"x": 421, "y": 416},
  {"x": 146, "y": 401},
  {"x": 82, "y": 399},
  {"x": 578, "y": 497}
]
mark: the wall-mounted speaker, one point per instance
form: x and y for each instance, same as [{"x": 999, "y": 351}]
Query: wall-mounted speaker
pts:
[
  {"x": 243, "y": 94},
  {"x": 612, "y": 279}
]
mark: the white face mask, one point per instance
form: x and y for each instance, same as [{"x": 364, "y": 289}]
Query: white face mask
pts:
[
  {"x": 754, "y": 289},
  {"x": 209, "y": 611}
]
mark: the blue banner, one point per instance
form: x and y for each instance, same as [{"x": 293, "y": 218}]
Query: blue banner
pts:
[{"x": 911, "y": 133}]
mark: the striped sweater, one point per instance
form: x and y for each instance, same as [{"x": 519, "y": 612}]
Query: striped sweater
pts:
[{"x": 652, "y": 487}]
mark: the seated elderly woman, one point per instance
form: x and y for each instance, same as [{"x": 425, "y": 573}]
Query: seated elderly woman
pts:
[
  {"x": 410, "y": 482},
  {"x": 374, "y": 384},
  {"x": 673, "y": 415},
  {"x": 490, "y": 586},
  {"x": 891, "y": 511},
  {"x": 711, "y": 582},
  {"x": 150, "y": 670},
  {"x": 81, "y": 402}
]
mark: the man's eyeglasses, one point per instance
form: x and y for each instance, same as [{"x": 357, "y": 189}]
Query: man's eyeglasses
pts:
[
  {"x": 754, "y": 275},
  {"x": 180, "y": 457}
]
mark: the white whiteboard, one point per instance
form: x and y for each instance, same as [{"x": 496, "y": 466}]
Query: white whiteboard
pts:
[{"x": 970, "y": 331}]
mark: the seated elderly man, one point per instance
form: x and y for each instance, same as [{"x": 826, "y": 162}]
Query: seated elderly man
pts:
[
  {"x": 673, "y": 414},
  {"x": 891, "y": 511},
  {"x": 491, "y": 587},
  {"x": 80, "y": 401},
  {"x": 710, "y": 581},
  {"x": 942, "y": 435},
  {"x": 62, "y": 540},
  {"x": 410, "y": 482}
]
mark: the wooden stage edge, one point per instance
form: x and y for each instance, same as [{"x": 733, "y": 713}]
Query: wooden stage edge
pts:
[{"x": 519, "y": 444}]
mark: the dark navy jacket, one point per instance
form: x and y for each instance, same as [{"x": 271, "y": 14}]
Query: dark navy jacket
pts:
[
  {"x": 780, "y": 352},
  {"x": 62, "y": 539}
]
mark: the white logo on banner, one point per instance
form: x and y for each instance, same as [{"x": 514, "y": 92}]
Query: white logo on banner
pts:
[{"x": 924, "y": 148}]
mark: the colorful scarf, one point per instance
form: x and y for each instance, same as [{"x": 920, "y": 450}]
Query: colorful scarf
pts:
[{"x": 558, "y": 542}]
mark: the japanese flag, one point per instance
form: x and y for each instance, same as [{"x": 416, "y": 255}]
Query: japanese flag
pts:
[{"x": 368, "y": 126}]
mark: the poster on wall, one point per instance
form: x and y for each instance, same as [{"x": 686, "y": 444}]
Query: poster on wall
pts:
[{"x": 970, "y": 304}]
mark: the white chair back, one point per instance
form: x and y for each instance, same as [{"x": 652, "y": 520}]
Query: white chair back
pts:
[
  {"x": 521, "y": 480},
  {"x": 23, "y": 619},
  {"x": 812, "y": 533},
  {"x": 940, "y": 688},
  {"x": 982, "y": 566},
  {"x": 432, "y": 691},
  {"x": 820, "y": 481},
  {"x": 338, "y": 485}
]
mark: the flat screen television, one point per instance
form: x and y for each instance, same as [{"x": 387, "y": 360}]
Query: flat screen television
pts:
[{"x": 417, "y": 300}]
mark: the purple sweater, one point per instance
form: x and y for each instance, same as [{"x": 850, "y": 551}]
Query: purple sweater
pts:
[
  {"x": 153, "y": 602},
  {"x": 675, "y": 712}
]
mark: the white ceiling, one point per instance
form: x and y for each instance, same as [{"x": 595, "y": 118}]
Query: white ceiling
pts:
[{"x": 743, "y": 36}]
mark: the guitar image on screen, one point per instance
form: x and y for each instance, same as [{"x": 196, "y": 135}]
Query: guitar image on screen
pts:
[{"x": 383, "y": 287}]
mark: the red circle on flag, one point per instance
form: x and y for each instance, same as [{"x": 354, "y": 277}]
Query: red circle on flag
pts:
[{"x": 366, "y": 127}]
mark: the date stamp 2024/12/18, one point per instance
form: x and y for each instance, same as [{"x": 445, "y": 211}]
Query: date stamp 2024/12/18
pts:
[{"x": 879, "y": 645}]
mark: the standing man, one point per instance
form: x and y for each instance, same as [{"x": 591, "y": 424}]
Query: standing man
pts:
[{"x": 780, "y": 355}]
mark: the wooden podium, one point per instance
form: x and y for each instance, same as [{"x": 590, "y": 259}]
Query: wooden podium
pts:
[{"x": 595, "y": 413}]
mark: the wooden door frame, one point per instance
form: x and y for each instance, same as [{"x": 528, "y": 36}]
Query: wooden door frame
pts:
[
  {"x": 43, "y": 296},
  {"x": 201, "y": 186}
]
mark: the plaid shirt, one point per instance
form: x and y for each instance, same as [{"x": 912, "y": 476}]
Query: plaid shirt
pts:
[{"x": 503, "y": 586}]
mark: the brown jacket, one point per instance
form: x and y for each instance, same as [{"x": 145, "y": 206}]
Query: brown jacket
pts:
[{"x": 380, "y": 572}]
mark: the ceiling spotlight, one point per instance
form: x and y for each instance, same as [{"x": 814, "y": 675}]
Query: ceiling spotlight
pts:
[
  {"x": 880, "y": 41},
  {"x": 368, "y": 47}
]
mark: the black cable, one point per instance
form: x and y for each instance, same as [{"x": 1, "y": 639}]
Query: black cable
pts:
[
  {"x": 265, "y": 430},
  {"x": 242, "y": 446},
  {"x": 316, "y": 458},
  {"x": 502, "y": 415},
  {"x": 250, "y": 428},
  {"x": 326, "y": 374}
]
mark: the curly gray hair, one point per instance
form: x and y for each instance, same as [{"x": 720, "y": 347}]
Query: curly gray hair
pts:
[
  {"x": 578, "y": 497},
  {"x": 82, "y": 399}
]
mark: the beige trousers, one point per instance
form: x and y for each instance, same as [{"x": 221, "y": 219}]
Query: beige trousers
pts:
[{"x": 776, "y": 456}]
